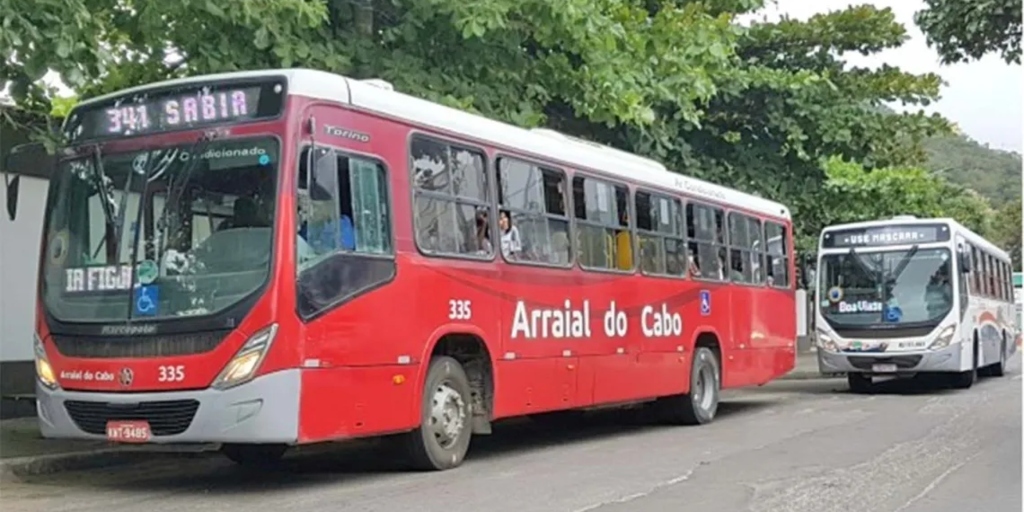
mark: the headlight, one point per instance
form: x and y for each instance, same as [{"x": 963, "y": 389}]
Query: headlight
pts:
[
  {"x": 944, "y": 338},
  {"x": 825, "y": 342},
  {"x": 243, "y": 366},
  {"x": 47, "y": 377}
]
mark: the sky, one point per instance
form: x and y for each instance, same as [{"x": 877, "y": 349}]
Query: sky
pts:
[{"x": 982, "y": 97}]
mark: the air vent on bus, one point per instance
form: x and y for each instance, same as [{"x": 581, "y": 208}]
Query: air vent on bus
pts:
[{"x": 904, "y": 217}]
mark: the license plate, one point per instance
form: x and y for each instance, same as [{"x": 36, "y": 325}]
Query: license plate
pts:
[
  {"x": 128, "y": 431},
  {"x": 883, "y": 368}
]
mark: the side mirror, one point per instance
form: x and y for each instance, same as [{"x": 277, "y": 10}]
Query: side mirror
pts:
[
  {"x": 31, "y": 159},
  {"x": 965, "y": 262},
  {"x": 12, "y": 195}
]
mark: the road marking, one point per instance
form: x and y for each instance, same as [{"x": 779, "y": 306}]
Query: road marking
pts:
[
  {"x": 637, "y": 495},
  {"x": 934, "y": 483}
]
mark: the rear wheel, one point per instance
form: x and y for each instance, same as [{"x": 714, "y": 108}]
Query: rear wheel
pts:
[
  {"x": 997, "y": 369},
  {"x": 446, "y": 412},
  {"x": 254, "y": 455},
  {"x": 700, "y": 405},
  {"x": 859, "y": 383}
]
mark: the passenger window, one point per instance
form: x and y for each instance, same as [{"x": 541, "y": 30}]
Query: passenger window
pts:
[
  {"x": 705, "y": 230},
  {"x": 451, "y": 199},
  {"x": 976, "y": 272},
  {"x": 344, "y": 243},
  {"x": 603, "y": 238},
  {"x": 532, "y": 199},
  {"x": 659, "y": 226},
  {"x": 777, "y": 252},
  {"x": 744, "y": 249},
  {"x": 346, "y": 209}
]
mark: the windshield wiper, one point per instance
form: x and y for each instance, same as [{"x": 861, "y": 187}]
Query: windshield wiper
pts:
[
  {"x": 150, "y": 167},
  {"x": 110, "y": 237},
  {"x": 902, "y": 265}
]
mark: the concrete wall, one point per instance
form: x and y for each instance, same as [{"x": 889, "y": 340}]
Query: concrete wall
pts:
[{"x": 19, "y": 258}]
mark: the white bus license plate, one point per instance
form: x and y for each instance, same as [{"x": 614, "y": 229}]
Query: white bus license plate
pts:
[{"x": 883, "y": 368}]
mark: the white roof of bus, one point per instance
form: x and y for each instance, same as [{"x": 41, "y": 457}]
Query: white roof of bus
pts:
[
  {"x": 954, "y": 227},
  {"x": 377, "y": 96}
]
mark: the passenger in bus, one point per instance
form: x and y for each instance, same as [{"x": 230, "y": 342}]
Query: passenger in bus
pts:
[
  {"x": 483, "y": 232},
  {"x": 722, "y": 265},
  {"x": 623, "y": 243},
  {"x": 511, "y": 244},
  {"x": 938, "y": 294},
  {"x": 692, "y": 265}
]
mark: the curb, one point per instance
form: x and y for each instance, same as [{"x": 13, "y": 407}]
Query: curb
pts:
[
  {"x": 810, "y": 375},
  {"x": 21, "y": 467}
]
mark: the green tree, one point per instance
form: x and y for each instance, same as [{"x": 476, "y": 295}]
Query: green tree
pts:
[
  {"x": 860, "y": 194},
  {"x": 1006, "y": 232},
  {"x": 753, "y": 107},
  {"x": 964, "y": 30},
  {"x": 604, "y": 61}
]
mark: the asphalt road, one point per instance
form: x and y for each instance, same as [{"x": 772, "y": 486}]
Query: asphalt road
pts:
[{"x": 792, "y": 446}]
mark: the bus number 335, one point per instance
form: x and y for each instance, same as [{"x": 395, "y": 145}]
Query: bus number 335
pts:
[
  {"x": 170, "y": 373},
  {"x": 460, "y": 309}
]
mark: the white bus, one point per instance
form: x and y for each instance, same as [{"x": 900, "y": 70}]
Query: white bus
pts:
[{"x": 903, "y": 296}]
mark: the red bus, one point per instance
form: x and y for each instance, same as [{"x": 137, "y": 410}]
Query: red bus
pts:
[{"x": 265, "y": 259}]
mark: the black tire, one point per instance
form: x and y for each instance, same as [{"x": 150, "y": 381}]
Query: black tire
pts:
[
  {"x": 432, "y": 447},
  {"x": 859, "y": 383},
  {"x": 700, "y": 405},
  {"x": 254, "y": 455},
  {"x": 965, "y": 380}
]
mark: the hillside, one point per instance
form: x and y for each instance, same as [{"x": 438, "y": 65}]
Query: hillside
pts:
[{"x": 993, "y": 173}]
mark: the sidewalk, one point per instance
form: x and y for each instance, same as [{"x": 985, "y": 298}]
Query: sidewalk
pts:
[
  {"x": 24, "y": 452},
  {"x": 807, "y": 368}
]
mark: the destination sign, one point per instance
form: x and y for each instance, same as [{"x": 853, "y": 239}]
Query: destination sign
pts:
[
  {"x": 178, "y": 108},
  {"x": 909, "y": 234}
]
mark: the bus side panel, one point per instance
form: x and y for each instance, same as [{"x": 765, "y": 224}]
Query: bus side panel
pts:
[
  {"x": 527, "y": 386},
  {"x": 741, "y": 348},
  {"x": 347, "y": 402}
]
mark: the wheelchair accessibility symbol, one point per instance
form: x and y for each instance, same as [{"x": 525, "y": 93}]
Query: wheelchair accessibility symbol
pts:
[{"x": 147, "y": 299}]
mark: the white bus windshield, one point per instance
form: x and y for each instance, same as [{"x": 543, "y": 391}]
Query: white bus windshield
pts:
[{"x": 868, "y": 289}]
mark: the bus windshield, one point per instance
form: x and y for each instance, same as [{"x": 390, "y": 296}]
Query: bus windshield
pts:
[
  {"x": 196, "y": 220},
  {"x": 867, "y": 289}
]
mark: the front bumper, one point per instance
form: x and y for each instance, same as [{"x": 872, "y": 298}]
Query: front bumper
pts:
[
  {"x": 944, "y": 360},
  {"x": 264, "y": 410}
]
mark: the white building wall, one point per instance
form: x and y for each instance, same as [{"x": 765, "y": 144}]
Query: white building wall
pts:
[{"x": 19, "y": 262}]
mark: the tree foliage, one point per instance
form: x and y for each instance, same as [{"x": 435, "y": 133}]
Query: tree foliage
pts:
[
  {"x": 994, "y": 173},
  {"x": 1007, "y": 230},
  {"x": 886, "y": 192},
  {"x": 755, "y": 106},
  {"x": 964, "y": 30}
]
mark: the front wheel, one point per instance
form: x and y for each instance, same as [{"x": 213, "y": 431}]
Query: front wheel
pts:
[
  {"x": 442, "y": 440},
  {"x": 965, "y": 380},
  {"x": 859, "y": 383},
  {"x": 700, "y": 405}
]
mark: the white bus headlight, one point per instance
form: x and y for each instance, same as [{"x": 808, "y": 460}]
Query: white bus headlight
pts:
[
  {"x": 243, "y": 366},
  {"x": 47, "y": 377},
  {"x": 944, "y": 338},
  {"x": 825, "y": 342}
]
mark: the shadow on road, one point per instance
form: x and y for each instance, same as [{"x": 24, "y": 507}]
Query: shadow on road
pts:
[
  {"x": 932, "y": 384},
  {"x": 352, "y": 462}
]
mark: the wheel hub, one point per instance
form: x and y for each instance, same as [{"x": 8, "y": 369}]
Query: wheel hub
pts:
[{"x": 447, "y": 415}]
